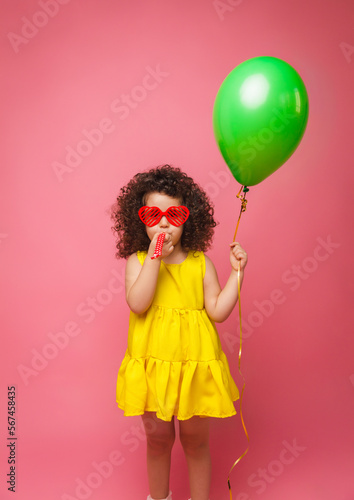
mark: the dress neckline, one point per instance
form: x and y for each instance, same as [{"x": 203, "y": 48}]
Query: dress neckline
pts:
[{"x": 173, "y": 264}]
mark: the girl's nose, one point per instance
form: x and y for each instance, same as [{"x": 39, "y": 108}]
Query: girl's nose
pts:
[{"x": 164, "y": 222}]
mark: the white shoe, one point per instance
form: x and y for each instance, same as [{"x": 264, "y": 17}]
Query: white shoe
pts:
[{"x": 168, "y": 498}]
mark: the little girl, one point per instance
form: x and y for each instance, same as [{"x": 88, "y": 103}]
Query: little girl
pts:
[{"x": 174, "y": 364}]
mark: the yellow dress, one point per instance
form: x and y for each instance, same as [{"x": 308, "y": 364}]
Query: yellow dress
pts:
[{"x": 174, "y": 363}]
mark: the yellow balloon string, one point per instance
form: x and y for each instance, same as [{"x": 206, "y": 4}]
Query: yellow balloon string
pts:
[{"x": 243, "y": 208}]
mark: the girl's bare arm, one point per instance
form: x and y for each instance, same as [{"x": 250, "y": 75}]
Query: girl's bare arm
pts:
[
  {"x": 141, "y": 280},
  {"x": 219, "y": 302}
]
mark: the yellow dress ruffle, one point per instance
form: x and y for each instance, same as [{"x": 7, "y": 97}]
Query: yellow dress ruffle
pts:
[{"x": 174, "y": 363}]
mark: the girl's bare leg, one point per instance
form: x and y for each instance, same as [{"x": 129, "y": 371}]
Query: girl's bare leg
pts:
[
  {"x": 160, "y": 436},
  {"x": 194, "y": 436}
]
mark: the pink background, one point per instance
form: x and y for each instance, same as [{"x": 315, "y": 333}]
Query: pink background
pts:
[{"x": 57, "y": 249}]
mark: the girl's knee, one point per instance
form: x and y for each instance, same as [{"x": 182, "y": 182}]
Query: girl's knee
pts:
[
  {"x": 160, "y": 444},
  {"x": 194, "y": 444},
  {"x": 160, "y": 435},
  {"x": 194, "y": 438},
  {"x": 194, "y": 435}
]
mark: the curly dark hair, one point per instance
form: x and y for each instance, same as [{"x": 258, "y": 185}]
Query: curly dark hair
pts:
[{"x": 130, "y": 231}]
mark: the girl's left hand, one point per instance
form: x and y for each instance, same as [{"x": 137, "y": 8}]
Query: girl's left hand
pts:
[{"x": 237, "y": 254}]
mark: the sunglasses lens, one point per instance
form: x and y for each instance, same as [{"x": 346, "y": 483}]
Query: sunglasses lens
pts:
[
  {"x": 150, "y": 215},
  {"x": 177, "y": 215}
]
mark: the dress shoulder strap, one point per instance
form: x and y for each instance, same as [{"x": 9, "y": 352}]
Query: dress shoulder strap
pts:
[
  {"x": 141, "y": 256},
  {"x": 201, "y": 257}
]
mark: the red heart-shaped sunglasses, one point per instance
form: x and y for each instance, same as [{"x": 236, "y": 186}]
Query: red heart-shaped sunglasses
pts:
[{"x": 175, "y": 215}]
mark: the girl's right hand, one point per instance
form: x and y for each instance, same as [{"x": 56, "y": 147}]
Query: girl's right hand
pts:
[{"x": 167, "y": 247}]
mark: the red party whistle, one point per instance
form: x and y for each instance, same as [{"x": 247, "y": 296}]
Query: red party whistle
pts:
[{"x": 158, "y": 247}]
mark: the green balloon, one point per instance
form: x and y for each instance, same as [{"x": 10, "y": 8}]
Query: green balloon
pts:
[{"x": 259, "y": 117}]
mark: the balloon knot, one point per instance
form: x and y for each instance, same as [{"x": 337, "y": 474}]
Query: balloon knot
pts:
[{"x": 241, "y": 197}]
